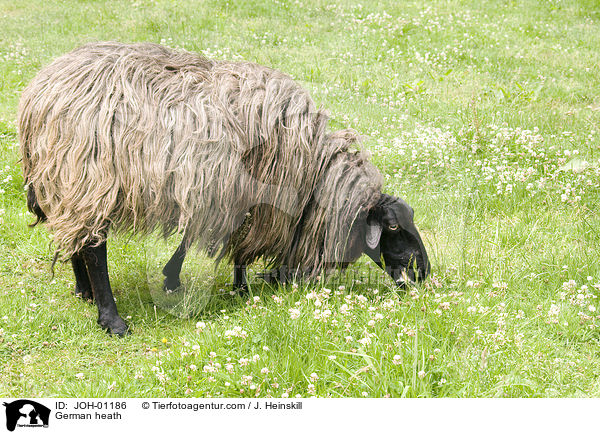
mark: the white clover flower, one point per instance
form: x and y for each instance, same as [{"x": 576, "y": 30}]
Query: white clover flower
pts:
[
  {"x": 421, "y": 374},
  {"x": 80, "y": 376},
  {"x": 209, "y": 369},
  {"x": 553, "y": 312},
  {"x": 237, "y": 331},
  {"x": 388, "y": 304},
  {"x": 365, "y": 341},
  {"x": 294, "y": 313},
  {"x": 277, "y": 299},
  {"x": 397, "y": 360}
]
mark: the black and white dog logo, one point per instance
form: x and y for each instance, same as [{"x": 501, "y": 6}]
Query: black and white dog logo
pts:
[{"x": 26, "y": 413}]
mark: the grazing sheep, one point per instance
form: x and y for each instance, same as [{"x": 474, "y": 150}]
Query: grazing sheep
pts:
[{"x": 234, "y": 155}]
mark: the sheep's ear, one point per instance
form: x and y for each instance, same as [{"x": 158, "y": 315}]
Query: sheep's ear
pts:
[
  {"x": 374, "y": 229},
  {"x": 405, "y": 216}
]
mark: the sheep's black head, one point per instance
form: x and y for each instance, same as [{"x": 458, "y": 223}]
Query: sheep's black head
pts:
[{"x": 391, "y": 234}]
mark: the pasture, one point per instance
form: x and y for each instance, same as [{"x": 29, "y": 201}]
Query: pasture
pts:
[{"x": 483, "y": 115}]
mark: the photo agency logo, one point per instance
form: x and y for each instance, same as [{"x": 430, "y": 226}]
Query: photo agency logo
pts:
[{"x": 24, "y": 413}]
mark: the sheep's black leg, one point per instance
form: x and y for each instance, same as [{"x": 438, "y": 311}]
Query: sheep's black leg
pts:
[
  {"x": 172, "y": 269},
  {"x": 239, "y": 277},
  {"x": 108, "y": 317},
  {"x": 83, "y": 287}
]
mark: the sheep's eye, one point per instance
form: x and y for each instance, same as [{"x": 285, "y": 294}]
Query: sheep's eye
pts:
[{"x": 393, "y": 227}]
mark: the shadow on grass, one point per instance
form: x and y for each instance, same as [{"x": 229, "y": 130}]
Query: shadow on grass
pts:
[{"x": 207, "y": 291}]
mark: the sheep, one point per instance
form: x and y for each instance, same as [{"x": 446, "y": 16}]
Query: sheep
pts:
[{"x": 234, "y": 155}]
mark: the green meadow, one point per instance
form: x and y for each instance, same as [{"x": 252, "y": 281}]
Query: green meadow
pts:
[{"x": 483, "y": 115}]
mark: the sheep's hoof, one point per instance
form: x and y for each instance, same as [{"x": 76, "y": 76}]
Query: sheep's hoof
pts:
[
  {"x": 239, "y": 288},
  {"x": 171, "y": 285},
  {"x": 242, "y": 288},
  {"x": 86, "y": 294},
  {"x": 114, "y": 325}
]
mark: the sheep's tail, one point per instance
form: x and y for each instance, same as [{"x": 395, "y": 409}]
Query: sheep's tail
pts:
[{"x": 34, "y": 206}]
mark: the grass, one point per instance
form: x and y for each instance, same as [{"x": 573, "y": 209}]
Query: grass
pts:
[{"x": 483, "y": 115}]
